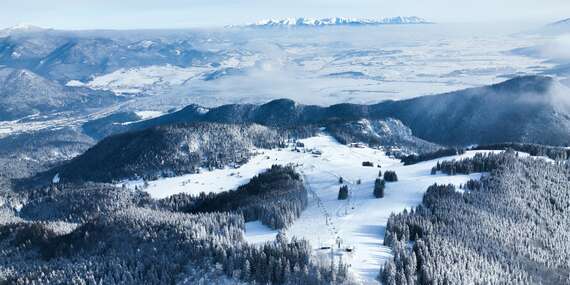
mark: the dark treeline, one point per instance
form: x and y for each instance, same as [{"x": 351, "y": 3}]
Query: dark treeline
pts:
[
  {"x": 275, "y": 197},
  {"x": 511, "y": 228},
  {"x": 480, "y": 162},
  {"x": 417, "y": 158},
  {"x": 553, "y": 152}
]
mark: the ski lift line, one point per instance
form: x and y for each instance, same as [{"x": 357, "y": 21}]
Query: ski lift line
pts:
[
  {"x": 349, "y": 181},
  {"x": 332, "y": 228},
  {"x": 320, "y": 205}
]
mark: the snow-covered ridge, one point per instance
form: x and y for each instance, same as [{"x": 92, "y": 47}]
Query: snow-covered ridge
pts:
[
  {"x": 20, "y": 28},
  {"x": 561, "y": 22},
  {"x": 558, "y": 28},
  {"x": 336, "y": 21}
]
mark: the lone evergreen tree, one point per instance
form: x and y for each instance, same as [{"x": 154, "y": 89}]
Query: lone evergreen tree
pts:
[
  {"x": 379, "y": 186},
  {"x": 343, "y": 192}
]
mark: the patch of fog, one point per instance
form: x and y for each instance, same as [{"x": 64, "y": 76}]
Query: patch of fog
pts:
[
  {"x": 559, "y": 96},
  {"x": 557, "y": 48}
]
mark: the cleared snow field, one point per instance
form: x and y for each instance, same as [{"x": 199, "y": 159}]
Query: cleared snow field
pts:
[
  {"x": 218, "y": 180},
  {"x": 138, "y": 80},
  {"x": 256, "y": 232},
  {"x": 359, "y": 222}
]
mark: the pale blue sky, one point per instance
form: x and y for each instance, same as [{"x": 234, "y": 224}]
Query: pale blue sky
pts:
[{"x": 131, "y": 14}]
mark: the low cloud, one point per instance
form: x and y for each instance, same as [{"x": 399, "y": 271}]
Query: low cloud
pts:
[{"x": 557, "y": 49}]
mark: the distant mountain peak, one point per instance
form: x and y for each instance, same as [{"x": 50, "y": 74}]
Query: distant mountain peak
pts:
[
  {"x": 336, "y": 21},
  {"x": 525, "y": 84},
  {"x": 22, "y": 75},
  {"x": 555, "y": 28},
  {"x": 24, "y": 26},
  {"x": 20, "y": 28},
  {"x": 561, "y": 22}
]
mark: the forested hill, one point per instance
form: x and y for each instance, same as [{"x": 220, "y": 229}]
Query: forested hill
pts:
[
  {"x": 93, "y": 233},
  {"x": 510, "y": 228},
  {"x": 167, "y": 150},
  {"x": 24, "y": 93},
  {"x": 529, "y": 109}
]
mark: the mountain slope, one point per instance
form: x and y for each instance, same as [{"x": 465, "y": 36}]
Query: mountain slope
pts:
[
  {"x": 389, "y": 133},
  {"x": 556, "y": 28},
  {"x": 24, "y": 93},
  {"x": 167, "y": 150},
  {"x": 64, "y": 55},
  {"x": 20, "y": 29},
  {"x": 26, "y": 154},
  {"x": 526, "y": 109}
]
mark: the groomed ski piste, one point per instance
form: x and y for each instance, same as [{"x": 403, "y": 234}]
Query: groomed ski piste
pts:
[{"x": 352, "y": 229}]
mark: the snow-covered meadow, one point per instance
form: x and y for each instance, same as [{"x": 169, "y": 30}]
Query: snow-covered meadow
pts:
[{"x": 358, "y": 222}]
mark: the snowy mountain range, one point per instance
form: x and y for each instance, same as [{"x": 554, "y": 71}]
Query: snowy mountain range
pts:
[
  {"x": 529, "y": 109},
  {"x": 24, "y": 93},
  {"x": 336, "y": 21}
]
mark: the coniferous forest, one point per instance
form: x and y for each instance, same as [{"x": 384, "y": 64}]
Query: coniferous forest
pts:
[
  {"x": 511, "y": 228},
  {"x": 276, "y": 198},
  {"x": 100, "y": 234}
]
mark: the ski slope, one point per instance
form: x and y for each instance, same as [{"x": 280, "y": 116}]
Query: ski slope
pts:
[{"x": 357, "y": 224}]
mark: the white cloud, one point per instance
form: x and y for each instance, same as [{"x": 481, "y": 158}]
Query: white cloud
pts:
[{"x": 558, "y": 48}]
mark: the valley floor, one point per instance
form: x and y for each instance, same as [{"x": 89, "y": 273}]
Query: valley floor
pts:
[{"x": 353, "y": 227}]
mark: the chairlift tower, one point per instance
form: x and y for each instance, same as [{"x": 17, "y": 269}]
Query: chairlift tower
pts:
[
  {"x": 338, "y": 241},
  {"x": 348, "y": 202}
]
